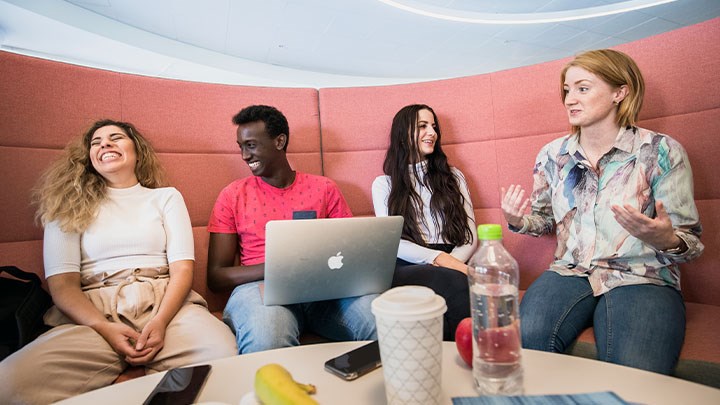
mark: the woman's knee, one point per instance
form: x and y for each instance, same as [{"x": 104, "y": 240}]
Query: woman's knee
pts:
[
  {"x": 554, "y": 311},
  {"x": 641, "y": 326},
  {"x": 78, "y": 354},
  {"x": 18, "y": 376},
  {"x": 536, "y": 332},
  {"x": 217, "y": 340},
  {"x": 194, "y": 336}
]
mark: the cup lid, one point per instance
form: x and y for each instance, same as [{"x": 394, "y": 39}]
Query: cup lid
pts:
[{"x": 410, "y": 303}]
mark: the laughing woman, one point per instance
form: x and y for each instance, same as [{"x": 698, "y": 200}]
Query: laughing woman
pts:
[
  {"x": 118, "y": 252},
  {"x": 433, "y": 198}
]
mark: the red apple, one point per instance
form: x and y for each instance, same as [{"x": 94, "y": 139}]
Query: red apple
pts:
[
  {"x": 463, "y": 340},
  {"x": 499, "y": 345}
]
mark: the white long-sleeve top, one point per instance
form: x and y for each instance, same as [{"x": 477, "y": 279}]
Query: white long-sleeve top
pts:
[
  {"x": 412, "y": 252},
  {"x": 134, "y": 227}
]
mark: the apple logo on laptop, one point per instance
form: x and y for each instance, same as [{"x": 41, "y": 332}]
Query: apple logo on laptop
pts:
[{"x": 335, "y": 262}]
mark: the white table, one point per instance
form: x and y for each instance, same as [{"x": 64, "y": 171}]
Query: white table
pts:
[{"x": 545, "y": 373}]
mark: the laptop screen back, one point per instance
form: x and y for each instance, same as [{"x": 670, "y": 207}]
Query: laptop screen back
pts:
[{"x": 321, "y": 259}]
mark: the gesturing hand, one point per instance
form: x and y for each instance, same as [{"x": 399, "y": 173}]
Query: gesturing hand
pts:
[
  {"x": 513, "y": 204},
  {"x": 656, "y": 232}
]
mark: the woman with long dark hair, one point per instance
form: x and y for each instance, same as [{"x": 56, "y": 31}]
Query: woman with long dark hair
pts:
[{"x": 438, "y": 235}]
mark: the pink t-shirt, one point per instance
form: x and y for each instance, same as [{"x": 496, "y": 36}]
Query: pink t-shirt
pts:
[{"x": 246, "y": 205}]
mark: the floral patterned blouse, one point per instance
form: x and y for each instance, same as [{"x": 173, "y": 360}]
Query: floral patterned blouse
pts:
[{"x": 574, "y": 199}]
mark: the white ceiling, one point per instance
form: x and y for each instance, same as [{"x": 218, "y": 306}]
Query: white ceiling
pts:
[{"x": 323, "y": 43}]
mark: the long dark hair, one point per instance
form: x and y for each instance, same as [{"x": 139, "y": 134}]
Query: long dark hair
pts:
[{"x": 447, "y": 203}]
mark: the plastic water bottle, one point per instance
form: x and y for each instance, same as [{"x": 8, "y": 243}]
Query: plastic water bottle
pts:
[{"x": 493, "y": 276}]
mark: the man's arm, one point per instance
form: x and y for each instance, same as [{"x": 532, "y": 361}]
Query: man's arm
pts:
[{"x": 222, "y": 274}]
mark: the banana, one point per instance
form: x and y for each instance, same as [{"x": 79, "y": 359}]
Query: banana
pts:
[{"x": 274, "y": 385}]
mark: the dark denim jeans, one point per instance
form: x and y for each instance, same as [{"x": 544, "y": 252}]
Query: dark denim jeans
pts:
[
  {"x": 450, "y": 284},
  {"x": 641, "y": 326}
]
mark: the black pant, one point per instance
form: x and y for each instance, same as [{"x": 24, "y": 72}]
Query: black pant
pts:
[{"x": 448, "y": 283}]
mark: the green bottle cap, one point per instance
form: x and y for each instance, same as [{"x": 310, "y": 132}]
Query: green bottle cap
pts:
[{"x": 489, "y": 232}]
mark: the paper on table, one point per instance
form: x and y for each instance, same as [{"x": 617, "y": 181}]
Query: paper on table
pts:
[{"x": 593, "y": 398}]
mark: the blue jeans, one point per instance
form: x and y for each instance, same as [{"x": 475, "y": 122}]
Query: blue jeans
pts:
[
  {"x": 258, "y": 327},
  {"x": 641, "y": 326}
]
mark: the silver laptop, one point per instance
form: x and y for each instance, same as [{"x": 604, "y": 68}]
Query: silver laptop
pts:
[{"x": 309, "y": 260}]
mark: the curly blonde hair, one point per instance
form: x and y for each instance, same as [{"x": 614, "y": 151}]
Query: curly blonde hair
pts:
[
  {"x": 617, "y": 69},
  {"x": 71, "y": 190}
]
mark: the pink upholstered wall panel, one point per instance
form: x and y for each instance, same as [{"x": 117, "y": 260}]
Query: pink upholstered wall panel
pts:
[
  {"x": 43, "y": 102},
  {"x": 19, "y": 170},
  {"x": 197, "y": 117},
  {"x": 517, "y": 157},
  {"x": 526, "y": 101},
  {"x": 216, "y": 301},
  {"x": 360, "y": 118},
  {"x": 487, "y": 215},
  {"x": 698, "y": 133},
  {"x": 679, "y": 69},
  {"x": 701, "y": 278},
  {"x": 27, "y": 255},
  {"x": 479, "y": 163},
  {"x": 354, "y": 172}
]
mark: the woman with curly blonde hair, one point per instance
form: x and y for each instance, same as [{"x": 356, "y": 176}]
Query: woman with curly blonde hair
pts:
[
  {"x": 118, "y": 251},
  {"x": 71, "y": 189}
]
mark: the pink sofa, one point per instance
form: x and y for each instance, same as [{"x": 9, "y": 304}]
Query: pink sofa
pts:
[{"x": 493, "y": 126}]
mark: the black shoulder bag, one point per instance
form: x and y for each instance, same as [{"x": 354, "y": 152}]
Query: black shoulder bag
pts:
[{"x": 23, "y": 303}]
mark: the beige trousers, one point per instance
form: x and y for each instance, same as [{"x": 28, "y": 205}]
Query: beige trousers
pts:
[{"x": 71, "y": 359}]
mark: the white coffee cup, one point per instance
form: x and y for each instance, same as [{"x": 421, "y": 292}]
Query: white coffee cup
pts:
[{"x": 409, "y": 323}]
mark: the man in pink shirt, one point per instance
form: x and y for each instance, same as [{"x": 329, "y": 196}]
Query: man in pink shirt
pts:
[{"x": 237, "y": 225}]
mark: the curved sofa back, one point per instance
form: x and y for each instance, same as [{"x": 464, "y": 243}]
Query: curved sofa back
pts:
[{"x": 493, "y": 126}]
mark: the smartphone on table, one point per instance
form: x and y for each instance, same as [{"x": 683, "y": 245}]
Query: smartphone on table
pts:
[
  {"x": 356, "y": 362},
  {"x": 179, "y": 386}
]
